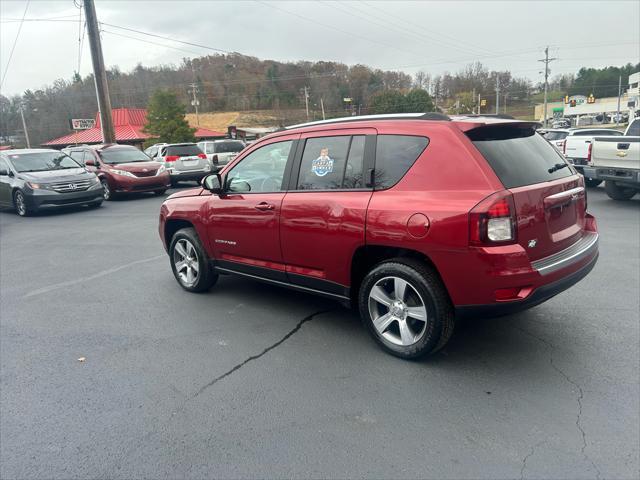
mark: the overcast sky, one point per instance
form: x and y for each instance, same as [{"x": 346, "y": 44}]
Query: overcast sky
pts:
[{"x": 409, "y": 36}]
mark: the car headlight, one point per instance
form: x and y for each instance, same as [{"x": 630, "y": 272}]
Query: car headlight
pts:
[
  {"x": 124, "y": 173},
  {"x": 35, "y": 186},
  {"x": 161, "y": 170}
]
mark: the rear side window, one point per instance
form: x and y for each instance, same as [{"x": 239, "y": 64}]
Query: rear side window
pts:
[
  {"x": 331, "y": 163},
  {"x": 395, "y": 155},
  {"x": 182, "y": 150},
  {"x": 517, "y": 155}
]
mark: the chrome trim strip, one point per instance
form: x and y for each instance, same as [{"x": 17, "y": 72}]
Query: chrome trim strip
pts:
[
  {"x": 582, "y": 248},
  {"x": 283, "y": 284},
  {"x": 566, "y": 193}
]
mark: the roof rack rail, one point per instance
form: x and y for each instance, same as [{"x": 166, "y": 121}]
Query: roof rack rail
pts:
[
  {"x": 490, "y": 115},
  {"x": 385, "y": 116}
]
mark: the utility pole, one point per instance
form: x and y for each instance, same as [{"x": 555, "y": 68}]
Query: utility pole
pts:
[
  {"x": 619, "y": 93},
  {"x": 479, "y": 98},
  {"x": 497, "y": 94},
  {"x": 24, "y": 128},
  {"x": 195, "y": 102},
  {"x": 546, "y": 61},
  {"x": 99, "y": 73},
  {"x": 306, "y": 100},
  {"x": 322, "y": 107},
  {"x": 473, "y": 99}
]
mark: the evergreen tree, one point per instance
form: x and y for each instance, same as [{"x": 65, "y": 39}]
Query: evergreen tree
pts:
[{"x": 166, "y": 120}]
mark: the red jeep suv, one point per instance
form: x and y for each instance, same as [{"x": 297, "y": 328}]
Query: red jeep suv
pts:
[{"x": 414, "y": 218}]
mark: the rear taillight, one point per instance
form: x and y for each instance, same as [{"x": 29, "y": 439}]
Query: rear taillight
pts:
[
  {"x": 589, "y": 153},
  {"x": 214, "y": 159},
  {"x": 493, "y": 220},
  {"x": 564, "y": 147},
  {"x": 202, "y": 155},
  {"x": 171, "y": 158}
]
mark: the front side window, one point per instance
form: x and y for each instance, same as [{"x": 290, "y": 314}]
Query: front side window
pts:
[
  {"x": 395, "y": 155},
  {"x": 3, "y": 165},
  {"x": 42, "y": 161},
  {"x": 260, "y": 171}
]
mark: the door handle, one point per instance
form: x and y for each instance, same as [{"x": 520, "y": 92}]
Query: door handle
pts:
[{"x": 264, "y": 206}]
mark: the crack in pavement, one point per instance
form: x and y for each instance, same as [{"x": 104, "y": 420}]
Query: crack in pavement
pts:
[
  {"x": 102, "y": 273},
  {"x": 579, "y": 397},
  {"x": 265, "y": 351},
  {"x": 530, "y": 454}
]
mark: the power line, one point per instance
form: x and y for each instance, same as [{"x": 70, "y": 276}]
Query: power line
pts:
[{"x": 13, "y": 47}]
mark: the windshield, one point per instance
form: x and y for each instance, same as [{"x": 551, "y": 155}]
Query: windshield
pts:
[
  {"x": 182, "y": 150},
  {"x": 519, "y": 156},
  {"x": 228, "y": 147},
  {"x": 123, "y": 155},
  {"x": 556, "y": 135},
  {"x": 42, "y": 161}
]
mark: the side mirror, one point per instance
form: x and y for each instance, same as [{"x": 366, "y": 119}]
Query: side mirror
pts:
[
  {"x": 90, "y": 162},
  {"x": 213, "y": 183}
]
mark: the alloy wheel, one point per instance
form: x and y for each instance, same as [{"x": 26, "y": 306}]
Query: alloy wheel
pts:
[
  {"x": 185, "y": 260},
  {"x": 398, "y": 312},
  {"x": 21, "y": 206},
  {"x": 106, "y": 190}
]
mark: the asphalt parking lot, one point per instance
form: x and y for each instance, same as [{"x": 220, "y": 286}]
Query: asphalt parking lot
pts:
[{"x": 252, "y": 381}]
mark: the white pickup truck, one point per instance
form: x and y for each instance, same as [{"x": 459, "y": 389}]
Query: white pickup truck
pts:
[
  {"x": 616, "y": 160},
  {"x": 575, "y": 147}
]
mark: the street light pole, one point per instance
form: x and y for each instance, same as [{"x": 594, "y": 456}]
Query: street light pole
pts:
[
  {"x": 99, "y": 73},
  {"x": 24, "y": 128}
]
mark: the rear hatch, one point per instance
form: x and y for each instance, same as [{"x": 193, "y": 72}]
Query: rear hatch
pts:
[
  {"x": 185, "y": 157},
  {"x": 549, "y": 196},
  {"x": 227, "y": 151}
]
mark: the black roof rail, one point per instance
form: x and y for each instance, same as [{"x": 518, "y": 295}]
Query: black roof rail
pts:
[{"x": 385, "y": 116}]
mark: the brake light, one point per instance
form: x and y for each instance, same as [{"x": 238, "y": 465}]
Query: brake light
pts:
[
  {"x": 171, "y": 158},
  {"x": 493, "y": 220},
  {"x": 564, "y": 147},
  {"x": 202, "y": 155},
  {"x": 589, "y": 153},
  {"x": 214, "y": 159}
]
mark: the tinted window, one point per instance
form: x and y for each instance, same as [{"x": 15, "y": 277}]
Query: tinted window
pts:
[
  {"x": 556, "y": 135},
  {"x": 182, "y": 150},
  {"x": 395, "y": 154},
  {"x": 353, "y": 172},
  {"x": 78, "y": 156},
  {"x": 634, "y": 129},
  {"x": 323, "y": 163},
  {"x": 228, "y": 147},
  {"x": 41, "y": 161},
  {"x": 123, "y": 155},
  {"x": 260, "y": 171},
  {"x": 517, "y": 155}
]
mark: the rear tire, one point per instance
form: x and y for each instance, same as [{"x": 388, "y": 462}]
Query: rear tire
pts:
[
  {"x": 20, "y": 204},
  {"x": 592, "y": 182},
  {"x": 616, "y": 192},
  {"x": 406, "y": 308},
  {"x": 190, "y": 263}
]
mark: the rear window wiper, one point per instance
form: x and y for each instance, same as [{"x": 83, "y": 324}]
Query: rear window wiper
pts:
[{"x": 558, "y": 166}]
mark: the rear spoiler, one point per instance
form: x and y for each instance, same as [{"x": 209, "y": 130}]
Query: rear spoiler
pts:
[{"x": 523, "y": 124}]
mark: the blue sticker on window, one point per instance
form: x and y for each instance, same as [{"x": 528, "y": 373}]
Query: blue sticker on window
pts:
[{"x": 323, "y": 164}]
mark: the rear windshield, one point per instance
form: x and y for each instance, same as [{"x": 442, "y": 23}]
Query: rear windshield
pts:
[
  {"x": 555, "y": 135},
  {"x": 228, "y": 147},
  {"x": 123, "y": 155},
  {"x": 519, "y": 156},
  {"x": 182, "y": 150},
  {"x": 42, "y": 161}
]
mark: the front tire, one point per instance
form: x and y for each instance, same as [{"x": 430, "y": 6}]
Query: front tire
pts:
[
  {"x": 20, "y": 204},
  {"x": 616, "y": 192},
  {"x": 96, "y": 204},
  {"x": 592, "y": 182},
  {"x": 190, "y": 263},
  {"x": 107, "y": 195},
  {"x": 406, "y": 309}
]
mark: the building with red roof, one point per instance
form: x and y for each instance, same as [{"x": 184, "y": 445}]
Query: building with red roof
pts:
[{"x": 128, "y": 124}]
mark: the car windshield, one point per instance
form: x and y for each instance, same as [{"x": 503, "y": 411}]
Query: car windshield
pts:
[
  {"x": 123, "y": 155},
  {"x": 42, "y": 161},
  {"x": 228, "y": 147},
  {"x": 555, "y": 135}
]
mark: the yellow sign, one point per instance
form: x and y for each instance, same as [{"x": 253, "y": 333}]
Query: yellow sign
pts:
[
  {"x": 483, "y": 103},
  {"x": 591, "y": 99}
]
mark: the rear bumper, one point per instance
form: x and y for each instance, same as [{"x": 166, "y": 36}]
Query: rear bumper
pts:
[
  {"x": 540, "y": 295},
  {"x": 47, "y": 198},
  {"x": 189, "y": 174},
  {"x": 625, "y": 176}
]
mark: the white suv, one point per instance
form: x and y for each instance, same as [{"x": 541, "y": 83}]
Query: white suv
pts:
[
  {"x": 183, "y": 161},
  {"x": 221, "y": 152}
]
